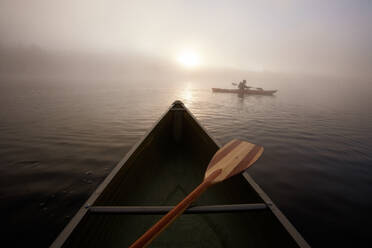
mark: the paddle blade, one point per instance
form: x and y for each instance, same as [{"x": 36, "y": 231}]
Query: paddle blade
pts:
[{"x": 233, "y": 158}]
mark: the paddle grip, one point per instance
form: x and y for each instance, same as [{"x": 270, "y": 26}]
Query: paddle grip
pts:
[{"x": 167, "y": 219}]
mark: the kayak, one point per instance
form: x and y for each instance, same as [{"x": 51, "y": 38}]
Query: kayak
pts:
[
  {"x": 158, "y": 172},
  {"x": 246, "y": 91}
]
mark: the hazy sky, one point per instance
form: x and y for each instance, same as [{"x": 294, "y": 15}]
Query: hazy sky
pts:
[{"x": 324, "y": 37}]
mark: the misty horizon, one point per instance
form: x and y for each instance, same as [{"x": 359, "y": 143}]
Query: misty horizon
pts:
[
  {"x": 34, "y": 62},
  {"x": 328, "y": 39}
]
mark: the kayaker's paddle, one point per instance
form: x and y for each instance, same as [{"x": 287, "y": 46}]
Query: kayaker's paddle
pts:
[{"x": 233, "y": 158}]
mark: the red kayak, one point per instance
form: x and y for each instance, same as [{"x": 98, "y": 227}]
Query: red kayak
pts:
[{"x": 246, "y": 91}]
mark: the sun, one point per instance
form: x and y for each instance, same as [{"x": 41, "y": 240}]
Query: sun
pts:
[{"x": 189, "y": 59}]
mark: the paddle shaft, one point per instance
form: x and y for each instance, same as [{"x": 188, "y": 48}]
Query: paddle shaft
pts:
[{"x": 167, "y": 219}]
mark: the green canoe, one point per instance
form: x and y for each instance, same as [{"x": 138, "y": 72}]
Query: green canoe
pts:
[{"x": 166, "y": 165}]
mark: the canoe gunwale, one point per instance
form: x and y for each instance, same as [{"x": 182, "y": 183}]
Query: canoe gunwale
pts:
[
  {"x": 279, "y": 215},
  {"x": 62, "y": 237},
  {"x": 88, "y": 205},
  {"x": 268, "y": 202}
]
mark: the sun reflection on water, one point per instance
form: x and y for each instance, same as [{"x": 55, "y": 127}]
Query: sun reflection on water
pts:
[{"x": 187, "y": 94}]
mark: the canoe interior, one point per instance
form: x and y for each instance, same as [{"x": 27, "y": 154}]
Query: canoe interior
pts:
[{"x": 167, "y": 165}]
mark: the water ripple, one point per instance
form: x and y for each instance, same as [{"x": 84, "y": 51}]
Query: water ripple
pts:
[{"x": 58, "y": 143}]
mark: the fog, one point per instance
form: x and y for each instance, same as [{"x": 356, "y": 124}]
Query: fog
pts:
[
  {"x": 81, "y": 81},
  {"x": 120, "y": 40}
]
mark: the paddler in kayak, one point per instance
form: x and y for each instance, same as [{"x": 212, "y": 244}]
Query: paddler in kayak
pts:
[{"x": 242, "y": 86}]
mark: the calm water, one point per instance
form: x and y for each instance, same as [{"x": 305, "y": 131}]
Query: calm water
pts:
[{"x": 58, "y": 141}]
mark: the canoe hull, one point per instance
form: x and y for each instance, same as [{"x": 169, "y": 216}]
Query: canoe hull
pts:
[
  {"x": 246, "y": 91},
  {"x": 167, "y": 164}
]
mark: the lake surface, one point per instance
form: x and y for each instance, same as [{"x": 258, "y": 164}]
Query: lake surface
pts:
[{"x": 58, "y": 141}]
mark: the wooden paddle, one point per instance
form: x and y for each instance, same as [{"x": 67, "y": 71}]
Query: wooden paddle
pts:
[{"x": 233, "y": 158}]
